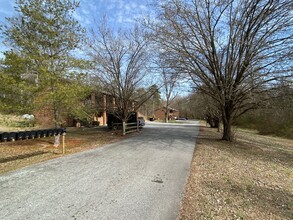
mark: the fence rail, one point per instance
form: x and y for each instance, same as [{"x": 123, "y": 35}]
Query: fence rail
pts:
[{"x": 127, "y": 127}]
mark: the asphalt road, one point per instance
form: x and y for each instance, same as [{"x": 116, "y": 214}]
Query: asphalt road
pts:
[{"x": 141, "y": 177}]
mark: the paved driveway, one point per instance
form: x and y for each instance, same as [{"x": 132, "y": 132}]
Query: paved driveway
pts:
[{"x": 141, "y": 177}]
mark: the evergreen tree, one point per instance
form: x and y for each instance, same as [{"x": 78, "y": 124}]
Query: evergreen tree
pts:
[
  {"x": 17, "y": 87},
  {"x": 44, "y": 36}
]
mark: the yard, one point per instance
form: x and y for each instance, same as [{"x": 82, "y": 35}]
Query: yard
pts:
[
  {"x": 18, "y": 154},
  {"x": 251, "y": 178}
]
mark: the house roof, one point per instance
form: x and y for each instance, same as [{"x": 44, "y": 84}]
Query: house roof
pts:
[{"x": 164, "y": 107}]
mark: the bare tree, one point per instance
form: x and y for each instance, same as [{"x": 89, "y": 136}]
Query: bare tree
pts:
[
  {"x": 170, "y": 81},
  {"x": 120, "y": 62},
  {"x": 235, "y": 48},
  {"x": 148, "y": 108}
]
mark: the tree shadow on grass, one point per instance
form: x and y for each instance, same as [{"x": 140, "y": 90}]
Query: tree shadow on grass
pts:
[
  {"x": 251, "y": 150},
  {"x": 266, "y": 154},
  {"x": 264, "y": 198},
  {"x": 85, "y": 131},
  {"x": 22, "y": 156}
]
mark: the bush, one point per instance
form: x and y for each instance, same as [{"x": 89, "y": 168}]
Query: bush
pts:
[
  {"x": 15, "y": 121},
  {"x": 267, "y": 123}
]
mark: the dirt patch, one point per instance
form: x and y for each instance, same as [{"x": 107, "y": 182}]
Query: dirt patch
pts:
[
  {"x": 18, "y": 154},
  {"x": 250, "y": 178}
]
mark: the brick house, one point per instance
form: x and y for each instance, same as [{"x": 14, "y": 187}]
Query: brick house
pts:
[
  {"x": 101, "y": 104},
  {"x": 160, "y": 113}
]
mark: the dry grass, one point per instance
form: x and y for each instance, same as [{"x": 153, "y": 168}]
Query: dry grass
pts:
[
  {"x": 251, "y": 178},
  {"x": 18, "y": 154}
]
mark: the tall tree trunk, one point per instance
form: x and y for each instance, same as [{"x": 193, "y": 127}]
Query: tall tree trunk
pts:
[
  {"x": 167, "y": 115},
  {"x": 227, "y": 133},
  {"x": 57, "y": 125},
  {"x": 227, "y": 122}
]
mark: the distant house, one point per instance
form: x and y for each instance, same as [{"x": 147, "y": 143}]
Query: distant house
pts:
[{"x": 160, "y": 113}]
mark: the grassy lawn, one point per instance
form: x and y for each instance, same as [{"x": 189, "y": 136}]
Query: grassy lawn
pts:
[
  {"x": 251, "y": 178},
  {"x": 18, "y": 154}
]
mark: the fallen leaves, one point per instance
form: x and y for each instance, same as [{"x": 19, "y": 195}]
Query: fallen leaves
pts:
[
  {"x": 246, "y": 179},
  {"x": 18, "y": 154}
]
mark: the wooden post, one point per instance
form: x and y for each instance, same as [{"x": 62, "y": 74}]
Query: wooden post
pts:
[
  {"x": 63, "y": 142},
  {"x": 137, "y": 125},
  {"x": 104, "y": 109},
  {"x": 123, "y": 128}
]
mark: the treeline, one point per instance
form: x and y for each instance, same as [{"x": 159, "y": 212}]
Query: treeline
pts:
[{"x": 273, "y": 117}]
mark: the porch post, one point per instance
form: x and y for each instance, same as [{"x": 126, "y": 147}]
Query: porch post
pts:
[{"x": 104, "y": 109}]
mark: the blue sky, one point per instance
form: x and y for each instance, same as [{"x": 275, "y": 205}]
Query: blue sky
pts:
[{"x": 120, "y": 13}]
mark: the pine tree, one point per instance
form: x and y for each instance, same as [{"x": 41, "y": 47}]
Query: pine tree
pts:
[{"x": 44, "y": 36}]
